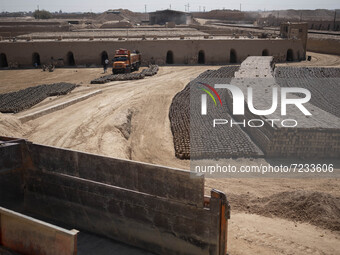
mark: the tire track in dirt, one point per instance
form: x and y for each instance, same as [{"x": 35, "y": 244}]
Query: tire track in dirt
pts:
[{"x": 265, "y": 235}]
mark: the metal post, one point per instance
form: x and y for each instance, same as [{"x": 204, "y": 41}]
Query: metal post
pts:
[{"x": 224, "y": 216}]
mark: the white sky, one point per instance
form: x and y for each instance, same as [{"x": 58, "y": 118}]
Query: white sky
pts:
[{"x": 152, "y": 5}]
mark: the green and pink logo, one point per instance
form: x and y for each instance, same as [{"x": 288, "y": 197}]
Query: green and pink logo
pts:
[{"x": 204, "y": 97}]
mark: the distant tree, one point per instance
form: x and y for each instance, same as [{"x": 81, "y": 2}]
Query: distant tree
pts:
[{"x": 43, "y": 14}]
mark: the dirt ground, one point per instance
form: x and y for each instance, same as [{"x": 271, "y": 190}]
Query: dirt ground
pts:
[
  {"x": 318, "y": 59},
  {"x": 129, "y": 120},
  {"x": 33, "y": 77}
]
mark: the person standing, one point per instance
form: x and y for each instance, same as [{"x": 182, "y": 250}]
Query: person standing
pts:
[{"x": 106, "y": 63}]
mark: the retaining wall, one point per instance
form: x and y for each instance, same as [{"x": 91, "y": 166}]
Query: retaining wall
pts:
[{"x": 53, "y": 108}]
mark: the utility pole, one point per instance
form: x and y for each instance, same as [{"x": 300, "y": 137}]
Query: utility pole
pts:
[
  {"x": 170, "y": 6},
  {"x": 187, "y": 7},
  {"x": 240, "y": 7},
  {"x": 203, "y": 8},
  {"x": 334, "y": 28}
]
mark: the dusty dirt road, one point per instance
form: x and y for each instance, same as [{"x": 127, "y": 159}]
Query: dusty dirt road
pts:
[{"x": 130, "y": 120}]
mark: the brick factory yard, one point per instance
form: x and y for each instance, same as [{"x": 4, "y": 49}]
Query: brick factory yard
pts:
[{"x": 129, "y": 119}]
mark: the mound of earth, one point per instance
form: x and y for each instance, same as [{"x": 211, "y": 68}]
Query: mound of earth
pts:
[
  {"x": 317, "y": 208},
  {"x": 230, "y": 15},
  {"x": 11, "y": 126},
  {"x": 121, "y": 14},
  {"x": 116, "y": 24}
]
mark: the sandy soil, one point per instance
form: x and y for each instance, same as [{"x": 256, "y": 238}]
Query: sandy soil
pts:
[
  {"x": 130, "y": 120},
  {"x": 253, "y": 234},
  {"x": 13, "y": 80}
]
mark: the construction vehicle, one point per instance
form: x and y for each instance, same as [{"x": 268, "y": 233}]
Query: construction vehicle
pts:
[{"x": 125, "y": 62}]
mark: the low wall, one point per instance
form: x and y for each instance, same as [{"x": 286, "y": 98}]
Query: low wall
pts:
[
  {"x": 160, "y": 209},
  {"x": 11, "y": 30},
  {"x": 327, "y": 46},
  {"x": 86, "y": 52},
  {"x": 53, "y": 108},
  {"x": 27, "y": 235}
]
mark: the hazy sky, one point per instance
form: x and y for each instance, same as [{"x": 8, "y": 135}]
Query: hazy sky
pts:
[{"x": 152, "y": 5}]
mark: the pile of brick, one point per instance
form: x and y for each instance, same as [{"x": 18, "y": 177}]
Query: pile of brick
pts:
[
  {"x": 315, "y": 136},
  {"x": 17, "y": 101},
  {"x": 150, "y": 71},
  {"x": 325, "y": 92},
  {"x": 194, "y": 135}
]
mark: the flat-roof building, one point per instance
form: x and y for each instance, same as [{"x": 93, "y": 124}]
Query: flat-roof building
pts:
[{"x": 162, "y": 17}]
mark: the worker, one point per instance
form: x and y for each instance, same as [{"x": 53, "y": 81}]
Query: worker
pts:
[{"x": 106, "y": 63}]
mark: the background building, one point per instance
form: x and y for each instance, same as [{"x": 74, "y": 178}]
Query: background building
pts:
[{"x": 162, "y": 17}]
